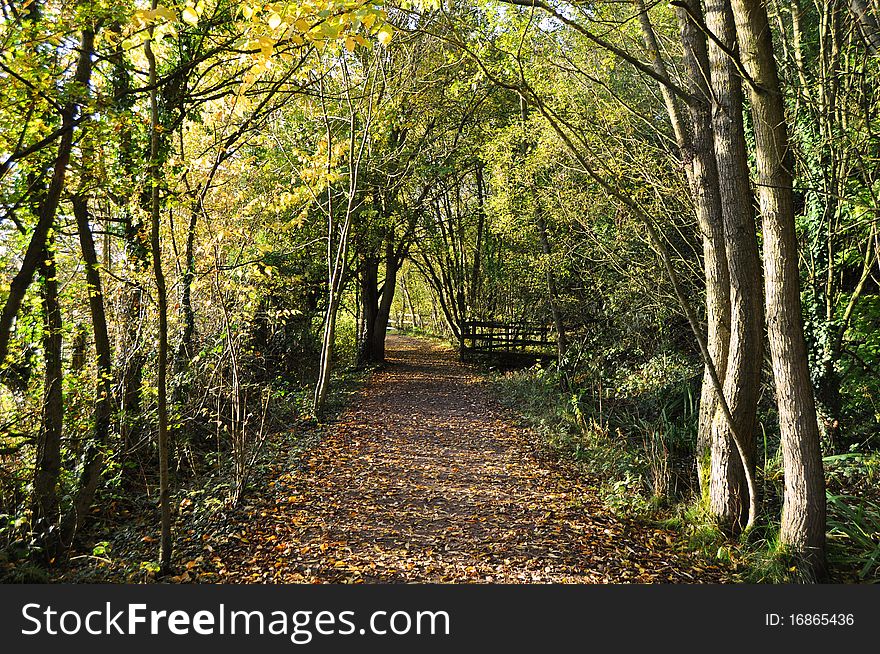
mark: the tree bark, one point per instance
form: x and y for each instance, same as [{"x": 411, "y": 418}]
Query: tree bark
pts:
[
  {"x": 866, "y": 23},
  {"x": 329, "y": 336},
  {"x": 803, "y": 512},
  {"x": 162, "y": 300},
  {"x": 49, "y": 207},
  {"x": 377, "y": 301},
  {"x": 47, "y": 467},
  {"x": 698, "y": 160},
  {"x": 184, "y": 349},
  {"x": 369, "y": 283},
  {"x": 93, "y": 453},
  {"x": 727, "y": 488}
]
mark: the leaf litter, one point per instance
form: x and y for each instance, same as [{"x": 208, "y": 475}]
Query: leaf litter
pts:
[{"x": 426, "y": 479}]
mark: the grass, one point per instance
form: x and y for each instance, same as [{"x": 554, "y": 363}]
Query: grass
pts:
[
  {"x": 853, "y": 505},
  {"x": 621, "y": 469},
  {"x": 636, "y": 452}
]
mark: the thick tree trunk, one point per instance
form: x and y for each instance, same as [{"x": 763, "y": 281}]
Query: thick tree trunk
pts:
[
  {"x": 866, "y": 23},
  {"x": 727, "y": 489},
  {"x": 707, "y": 199},
  {"x": 47, "y": 467},
  {"x": 377, "y": 302},
  {"x": 803, "y": 511},
  {"x": 698, "y": 160},
  {"x": 369, "y": 282},
  {"x": 389, "y": 287}
]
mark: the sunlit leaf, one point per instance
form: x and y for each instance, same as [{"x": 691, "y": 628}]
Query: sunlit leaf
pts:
[
  {"x": 190, "y": 16},
  {"x": 384, "y": 35}
]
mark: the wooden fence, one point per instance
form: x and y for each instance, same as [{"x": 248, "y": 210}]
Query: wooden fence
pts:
[{"x": 489, "y": 337}]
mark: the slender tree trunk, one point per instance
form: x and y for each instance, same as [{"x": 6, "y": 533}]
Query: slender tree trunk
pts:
[
  {"x": 329, "y": 336},
  {"x": 188, "y": 317},
  {"x": 93, "y": 453},
  {"x": 803, "y": 510},
  {"x": 47, "y": 467},
  {"x": 162, "y": 300},
  {"x": 728, "y": 494}
]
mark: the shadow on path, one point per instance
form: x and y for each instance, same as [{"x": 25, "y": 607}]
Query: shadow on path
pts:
[{"x": 425, "y": 479}]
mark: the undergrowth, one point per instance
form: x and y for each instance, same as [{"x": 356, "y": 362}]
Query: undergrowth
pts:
[
  {"x": 120, "y": 544},
  {"x": 639, "y": 447}
]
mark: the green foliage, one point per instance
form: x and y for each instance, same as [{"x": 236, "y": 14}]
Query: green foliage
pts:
[
  {"x": 854, "y": 535},
  {"x": 640, "y": 462}
]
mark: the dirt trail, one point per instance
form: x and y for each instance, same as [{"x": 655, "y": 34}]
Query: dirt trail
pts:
[{"x": 425, "y": 479}]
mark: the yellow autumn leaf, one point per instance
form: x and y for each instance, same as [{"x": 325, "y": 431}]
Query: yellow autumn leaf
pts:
[
  {"x": 190, "y": 16},
  {"x": 247, "y": 11},
  {"x": 266, "y": 44},
  {"x": 350, "y": 44},
  {"x": 165, "y": 12},
  {"x": 274, "y": 21},
  {"x": 384, "y": 35}
]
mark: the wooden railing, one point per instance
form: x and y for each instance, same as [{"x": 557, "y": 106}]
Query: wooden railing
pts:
[{"x": 484, "y": 336}]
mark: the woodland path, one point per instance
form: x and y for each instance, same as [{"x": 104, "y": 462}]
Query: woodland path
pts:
[{"x": 424, "y": 478}]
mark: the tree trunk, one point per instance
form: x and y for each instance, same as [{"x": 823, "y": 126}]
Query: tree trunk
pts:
[
  {"x": 329, "y": 337},
  {"x": 866, "y": 23},
  {"x": 131, "y": 353},
  {"x": 184, "y": 351},
  {"x": 727, "y": 488},
  {"x": 93, "y": 452},
  {"x": 377, "y": 302},
  {"x": 389, "y": 287},
  {"x": 47, "y": 467},
  {"x": 92, "y": 456},
  {"x": 803, "y": 512},
  {"x": 369, "y": 282},
  {"x": 49, "y": 207},
  {"x": 162, "y": 301},
  {"x": 698, "y": 160}
]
